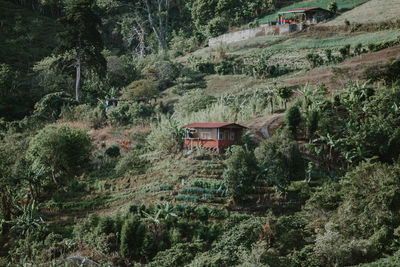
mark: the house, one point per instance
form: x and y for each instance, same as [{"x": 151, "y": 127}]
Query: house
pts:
[
  {"x": 312, "y": 15},
  {"x": 215, "y": 136}
]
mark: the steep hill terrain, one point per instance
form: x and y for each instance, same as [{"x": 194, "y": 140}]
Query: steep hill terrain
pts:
[{"x": 107, "y": 181}]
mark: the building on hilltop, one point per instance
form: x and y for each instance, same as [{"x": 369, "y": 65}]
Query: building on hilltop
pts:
[
  {"x": 215, "y": 136},
  {"x": 312, "y": 15}
]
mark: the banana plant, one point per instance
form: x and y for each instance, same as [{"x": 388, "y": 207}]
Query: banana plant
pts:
[{"x": 29, "y": 221}]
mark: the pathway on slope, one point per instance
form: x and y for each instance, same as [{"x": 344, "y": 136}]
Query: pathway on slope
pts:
[{"x": 264, "y": 127}]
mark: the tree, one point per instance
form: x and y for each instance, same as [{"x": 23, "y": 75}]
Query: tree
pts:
[
  {"x": 280, "y": 162},
  {"x": 293, "y": 119},
  {"x": 333, "y": 7},
  {"x": 60, "y": 150},
  {"x": 157, "y": 12},
  {"x": 82, "y": 38},
  {"x": 285, "y": 93},
  {"x": 240, "y": 173},
  {"x": 134, "y": 27},
  {"x": 132, "y": 235}
]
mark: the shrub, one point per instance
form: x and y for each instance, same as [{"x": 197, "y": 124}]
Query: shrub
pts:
[
  {"x": 113, "y": 151},
  {"x": 240, "y": 173},
  {"x": 164, "y": 72},
  {"x": 358, "y": 49},
  {"x": 181, "y": 44},
  {"x": 166, "y": 137},
  {"x": 315, "y": 60},
  {"x": 345, "y": 51},
  {"x": 178, "y": 255},
  {"x": 61, "y": 149},
  {"x": 293, "y": 119},
  {"x": 192, "y": 101},
  {"x": 132, "y": 237},
  {"x": 49, "y": 107},
  {"x": 388, "y": 72},
  {"x": 144, "y": 89},
  {"x": 206, "y": 67},
  {"x": 328, "y": 54},
  {"x": 217, "y": 26},
  {"x": 126, "y": 114},
  {"x": 224, "y": 67},
  {"x": 132, "y": 162}
]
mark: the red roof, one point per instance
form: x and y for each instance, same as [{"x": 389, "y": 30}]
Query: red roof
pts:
[
  {"x": 299, "y": 10},
  {"x": 210, "y": 125}
]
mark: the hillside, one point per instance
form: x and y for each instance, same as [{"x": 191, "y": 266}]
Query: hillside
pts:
[
  {"x": 96, "y": 168},
  {"x": 373, "y": 11}
]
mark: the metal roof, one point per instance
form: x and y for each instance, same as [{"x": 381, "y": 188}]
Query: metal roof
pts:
[
  {"x": 210, "y": 125},
  {"x": 301, "y": 10}
]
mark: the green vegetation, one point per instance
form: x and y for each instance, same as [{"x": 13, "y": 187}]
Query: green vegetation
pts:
[{"x": 102, "y": 171}]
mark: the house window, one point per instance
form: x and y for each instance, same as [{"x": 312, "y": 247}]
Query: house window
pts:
[
  {"x": 205, "y": 135},
  {"x": 220, "y": 136},
  {"x": 232, "y": 136}
]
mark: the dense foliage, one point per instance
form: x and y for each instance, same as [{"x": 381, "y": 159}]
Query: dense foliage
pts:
[{"x": 93, "y": 168}]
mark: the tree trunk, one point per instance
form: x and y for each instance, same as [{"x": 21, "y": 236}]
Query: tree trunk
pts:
[
  {"x": 78, "y": 78},
  {"x": 159, "y": 32}
]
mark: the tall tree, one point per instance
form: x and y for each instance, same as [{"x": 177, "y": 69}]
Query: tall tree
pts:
[
  {"x": 157, "y": 12},
  {"x": 82, "y": 39}
]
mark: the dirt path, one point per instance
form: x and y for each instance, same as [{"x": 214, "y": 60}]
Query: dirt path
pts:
[
  {"x": 355, "y": 65},
  {"x": 264, "y": 127}
]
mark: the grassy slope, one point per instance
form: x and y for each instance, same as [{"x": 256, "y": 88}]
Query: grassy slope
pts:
[
  {"x": 342, "y": 4},
  {"x": 371, "y": 12}
]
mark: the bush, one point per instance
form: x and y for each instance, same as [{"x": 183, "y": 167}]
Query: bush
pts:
[
  {"x": 328, "y": 54},
  {"x": 178, "y": 255},
  {"x": 388, "y": 72},
  {"x": 132, "y": 163},
  {"x": 164, "y": 72},
  {"x": 181, "y": 44},
  {"x": 315, "y": 60},
  {"x": 130, "y": 114},
  {"x": 60, "y": 149},
  {"x": 166, "y": 137},
  {"x": 192, "y": 101},
  {"x": 345, "y": 51},
  {"x": 49, "y": 107},
  {"x": 217, "y": 26},
  {"x": 144, "y": 89},
  {"x": 224, "y": 67},
  {"x": 358, "y": 49},
  {"x": 113, "y": 151},
  {"x": 240, "y": 173}
]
